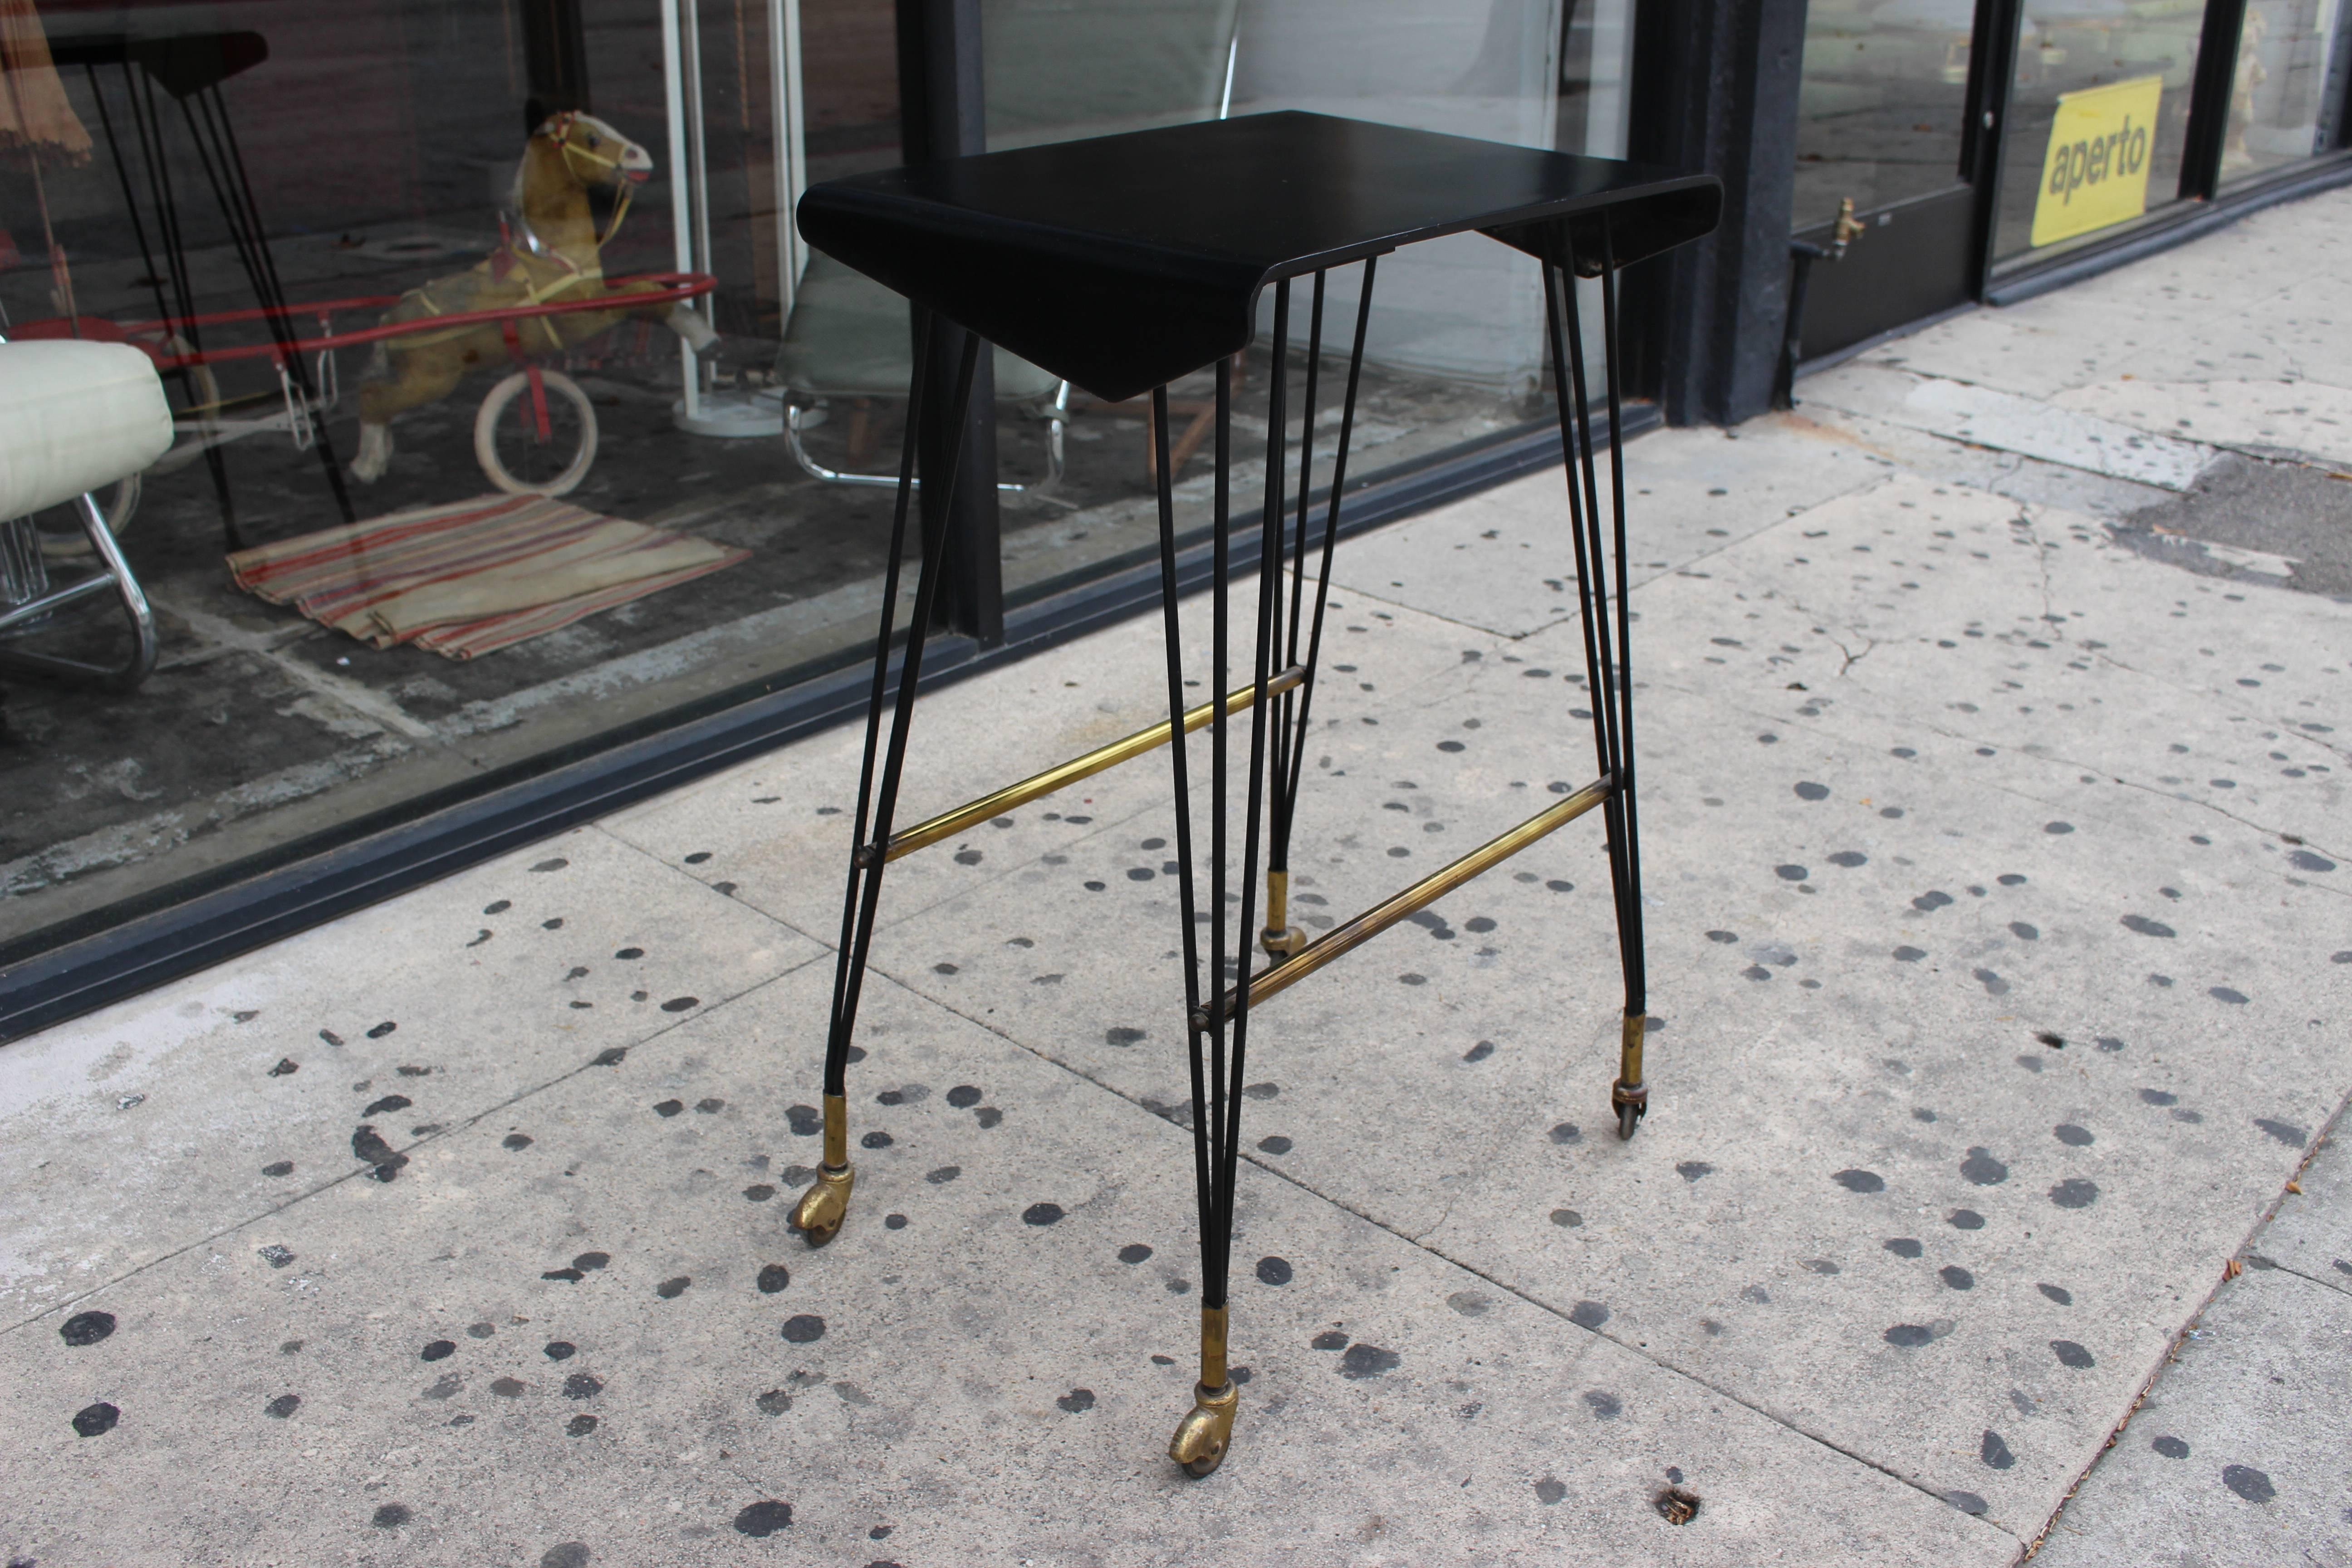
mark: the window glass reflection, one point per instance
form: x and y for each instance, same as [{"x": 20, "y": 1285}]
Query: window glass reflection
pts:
[
  {"x": 2286, "y": 95},
  {"x": 2071, "y": 47},
  {"x": 1878, "y": 117}
]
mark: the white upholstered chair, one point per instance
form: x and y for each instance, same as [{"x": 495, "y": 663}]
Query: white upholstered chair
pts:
[{"x": 75, "y": 417}]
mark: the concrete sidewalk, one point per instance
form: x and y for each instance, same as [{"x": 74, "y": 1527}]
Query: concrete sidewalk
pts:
[{"x": 1993, "y": 718}]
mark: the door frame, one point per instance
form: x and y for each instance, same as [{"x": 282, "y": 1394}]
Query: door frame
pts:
[{"x": 1992, "y": 75}]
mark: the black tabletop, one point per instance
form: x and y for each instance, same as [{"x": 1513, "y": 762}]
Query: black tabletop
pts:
[{"x": 1122, "y": 262}]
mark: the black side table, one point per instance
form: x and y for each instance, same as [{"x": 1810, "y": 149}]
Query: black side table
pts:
[{"x": 1121, "y": 264}]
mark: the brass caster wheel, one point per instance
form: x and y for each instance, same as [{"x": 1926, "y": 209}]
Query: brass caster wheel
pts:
[
  {"x": 1631, "y": 1103},
  {"x": 821, "y": 1208},
  {"x": 1207, "y": 1429}
]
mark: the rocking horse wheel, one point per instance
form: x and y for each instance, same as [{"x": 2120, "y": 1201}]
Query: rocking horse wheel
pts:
[
  {"x": 507, "y": 442},
  {"x": 120, "y": 502}
]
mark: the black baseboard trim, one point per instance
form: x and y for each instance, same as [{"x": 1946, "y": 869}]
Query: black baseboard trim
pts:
[{"x": 219, "y": 922}]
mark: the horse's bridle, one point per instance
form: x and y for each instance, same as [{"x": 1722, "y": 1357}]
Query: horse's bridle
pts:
[{"x": 558, "y": 130}]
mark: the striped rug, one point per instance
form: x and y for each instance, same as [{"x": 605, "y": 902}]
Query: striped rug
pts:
[{"x": 473, "y": 577}]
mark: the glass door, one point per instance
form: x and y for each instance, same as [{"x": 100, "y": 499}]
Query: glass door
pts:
[
  {"x": 2099, "y": 119},
  {"x": 1888, "y": 164}
]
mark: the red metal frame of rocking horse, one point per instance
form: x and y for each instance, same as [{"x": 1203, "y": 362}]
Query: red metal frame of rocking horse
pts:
[{"x": 669, "y": 288}]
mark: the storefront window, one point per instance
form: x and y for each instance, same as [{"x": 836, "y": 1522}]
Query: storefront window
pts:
[
  {"x": 2098, "y": 118},
  {"x": 2287, "y": 95},
  {"x": 370, "y": 603},
  {"x": 1879, "y": 111},
  {"x": 411, "y": 161}
]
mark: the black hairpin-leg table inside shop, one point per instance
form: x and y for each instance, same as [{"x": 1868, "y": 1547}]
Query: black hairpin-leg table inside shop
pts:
[{"x": 1122, "y": 263}]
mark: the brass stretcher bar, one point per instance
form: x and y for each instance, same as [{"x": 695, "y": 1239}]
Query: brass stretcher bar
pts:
[
  {"x": 1420, "y": 895},
  {"x": 947, "y": 825}
]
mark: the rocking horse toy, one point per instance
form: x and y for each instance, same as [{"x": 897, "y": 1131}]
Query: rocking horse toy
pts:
[{"x": 547, "y": 255}]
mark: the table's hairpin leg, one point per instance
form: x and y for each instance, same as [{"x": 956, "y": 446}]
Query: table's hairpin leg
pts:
[
  {"x": 1631, "y": 1094},
  {"x": 1203, "y": 1436},
  {"x": 1607, "y": 664},
  {"x": 1200, "y": 1442},
  {"x": 1279, "y": 938},
  {"x": 820, "y": 1211}
]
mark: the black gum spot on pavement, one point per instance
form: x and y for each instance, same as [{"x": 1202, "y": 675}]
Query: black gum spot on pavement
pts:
[
  {"x": 2248, "y": 1482},
  {"x": 763, "y": 1518},
  {"x": 86, "y": 1328},
  {"x": 2074, "y": 1193},
  {"x": 1982, "y": 1170}
]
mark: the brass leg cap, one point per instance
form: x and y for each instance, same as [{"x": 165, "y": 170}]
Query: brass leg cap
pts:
[
  {"x": 1632, "y": 1104},
  {"x": 1286, "y": 942},
  {"x": 1207, "y": 1429},
  {"x": 823, "y": 1207}
]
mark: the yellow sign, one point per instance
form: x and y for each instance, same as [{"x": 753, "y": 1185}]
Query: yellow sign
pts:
[{"x": 2096, "y": 173}]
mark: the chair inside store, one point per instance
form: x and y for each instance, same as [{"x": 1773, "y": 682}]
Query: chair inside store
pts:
[
  {"x": 1054, "y": 71},
  {"x": 75, "y": 418}
]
